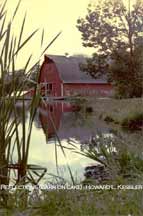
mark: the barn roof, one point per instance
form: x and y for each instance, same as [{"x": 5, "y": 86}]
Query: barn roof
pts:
[{"x": 70, "y": 72}]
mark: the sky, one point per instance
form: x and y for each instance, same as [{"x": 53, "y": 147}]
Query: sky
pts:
[{"x": 53, "y": 16}]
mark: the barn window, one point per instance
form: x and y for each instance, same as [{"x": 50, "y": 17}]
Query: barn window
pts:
[{"x": 50, "y": 86}]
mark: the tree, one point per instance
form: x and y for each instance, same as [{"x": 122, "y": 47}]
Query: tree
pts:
[
  {"x": 113, "y": 29},
  {"x": 96, "y": 65},
  {"x": 127, "y": 84}
]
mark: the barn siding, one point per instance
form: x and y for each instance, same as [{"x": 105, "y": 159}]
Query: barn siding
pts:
[
  {"x": 73, "y": 89},
  {"x": 49, "y": 74}
]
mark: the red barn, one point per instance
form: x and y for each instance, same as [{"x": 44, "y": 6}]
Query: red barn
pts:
[{"x": 61, "y": 76}]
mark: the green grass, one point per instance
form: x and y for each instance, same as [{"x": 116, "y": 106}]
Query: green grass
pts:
[
  {"x": 118, "y": 111},
  {"x": 85, "y": 203},
  {"x": 89, "y": 203}
]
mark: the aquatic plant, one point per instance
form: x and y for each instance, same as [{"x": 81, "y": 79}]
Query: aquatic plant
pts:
[{"x": 12, "y": 137}]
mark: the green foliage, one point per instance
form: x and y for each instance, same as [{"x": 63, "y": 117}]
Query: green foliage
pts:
[
  {"x": 113, "y": 154},
  {"x": 110, "y": 25},
  {"x": 127, "y": 79},
  {"x": 115, "y": 31},
  {"x": 96, "y": 65}
]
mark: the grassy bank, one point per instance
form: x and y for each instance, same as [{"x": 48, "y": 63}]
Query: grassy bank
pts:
[
  {"x": 88, "y": 204},
  {"x": 125, "y": 112},
  {"x": 83, "y": 203}
]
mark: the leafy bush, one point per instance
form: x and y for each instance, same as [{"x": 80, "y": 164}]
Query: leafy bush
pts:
[{"x": 133, "y": 120}]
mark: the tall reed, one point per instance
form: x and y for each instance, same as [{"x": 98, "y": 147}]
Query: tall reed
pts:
[{"x": 10, "y": 139}]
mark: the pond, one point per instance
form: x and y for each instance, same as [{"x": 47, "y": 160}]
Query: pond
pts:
[{"x": 60, "y": 130}]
